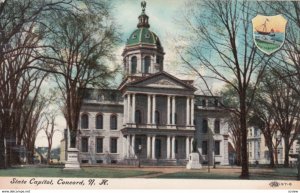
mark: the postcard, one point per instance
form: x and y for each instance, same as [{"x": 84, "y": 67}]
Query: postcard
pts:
[{"x": 130, "y": 95}]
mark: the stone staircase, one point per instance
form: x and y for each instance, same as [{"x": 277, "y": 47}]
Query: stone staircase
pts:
[{"x": 156, "y": 162}]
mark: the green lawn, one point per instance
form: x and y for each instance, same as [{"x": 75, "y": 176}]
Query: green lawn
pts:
[
  {"x": 199, "y": 175},
  {"x": 83, "y": 173},
  {"x": 99, "y": 172},
  {"x": 276, "y": 174}
]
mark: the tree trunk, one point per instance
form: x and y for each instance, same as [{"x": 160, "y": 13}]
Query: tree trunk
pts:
[
  {"x": 286, "y": 151},
  {"x": 72, "y": 139},
  {"x": 276, "y": 155},
  {"x": 48, "y": 154},
  {"x": 238, "y": 153},
  {"x": 2, "y": 154},
  {"x": 243, "y": 122},
  {"x": 271, "y": 153}
]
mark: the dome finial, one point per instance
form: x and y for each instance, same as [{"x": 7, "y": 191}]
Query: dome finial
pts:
[
  {"x": 143, "y": 18},
  {"x": 143, "y": 5}
]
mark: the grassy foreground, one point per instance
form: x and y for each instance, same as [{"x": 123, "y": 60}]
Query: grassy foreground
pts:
[
  {"x": 171, "y": 173},
  {"x": 83, "y": 173}
]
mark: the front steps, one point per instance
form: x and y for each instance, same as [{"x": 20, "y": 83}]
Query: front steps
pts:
[{"x": 156, "y": 162}]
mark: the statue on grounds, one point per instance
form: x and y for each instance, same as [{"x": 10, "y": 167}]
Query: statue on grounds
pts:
[
  {"x": 194, "y": 161},
  {"x": 194, "y": 150}
]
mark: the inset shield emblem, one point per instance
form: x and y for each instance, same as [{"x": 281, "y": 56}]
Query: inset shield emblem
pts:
[{"x": 269, "y": 32}]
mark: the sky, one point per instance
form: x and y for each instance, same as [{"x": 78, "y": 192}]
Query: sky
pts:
[
  {"x": 163, "y": 20},
  {"x": 162, "y": 16}
]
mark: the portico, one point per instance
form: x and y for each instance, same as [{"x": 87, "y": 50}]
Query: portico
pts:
[{"x": 164, "y": 147}]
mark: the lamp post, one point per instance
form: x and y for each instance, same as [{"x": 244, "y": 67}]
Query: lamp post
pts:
[{"x": 139, "y": 154}]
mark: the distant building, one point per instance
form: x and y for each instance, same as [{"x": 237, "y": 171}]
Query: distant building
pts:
[
  {"x": 152, "y": 115},
  {"x": 259, "y": 152}
]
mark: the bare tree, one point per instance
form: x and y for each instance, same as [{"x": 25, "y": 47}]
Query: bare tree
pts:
[
  {"x": 20, "y": 41},
  {"x": 49, "y": 129},
  {"x": 284, "y": 104},
  {"x": 81, "y": 47},
  {"x": 263, "y": 117},
  {"x": 235, "y": 58}
]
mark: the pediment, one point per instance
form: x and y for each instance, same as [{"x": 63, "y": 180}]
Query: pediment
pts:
[
  {"x": 162, "y": 80},
  {"x": 164, "y": 83}
]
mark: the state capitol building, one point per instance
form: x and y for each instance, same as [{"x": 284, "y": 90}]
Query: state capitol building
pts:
[{"x": 152, "y": 116}]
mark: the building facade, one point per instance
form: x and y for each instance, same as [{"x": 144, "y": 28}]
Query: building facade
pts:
[
  {"x": 258, "y": 151},
  {"x": 152, "y": 116}
]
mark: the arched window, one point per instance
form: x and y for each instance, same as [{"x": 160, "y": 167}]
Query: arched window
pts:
[
  {"x": 84, "y": 121},
  {"x": 138, "y": 117},
  {"x": 204, "y": 126},
  {"x": 99, "y": 122},
  {"x": 133, "y": 64},
  {"x": 113, "y": 122},
  {"x": 217, "y": 126},
  {"x": 157, "y": 118},
  {"x": 147, "y": 64}
]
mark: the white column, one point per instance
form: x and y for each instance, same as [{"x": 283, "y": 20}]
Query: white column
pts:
[
  {"x": 173, "y": 110},
  {"x": 149, "y": 110},
  {"x": 187, "y": 148},
  {"x": 124, "y": 146},
  {"x": 192, "y": 111},
  {"x": 148, "y": 146},
  {"x": 153, "y": 147},
  {"x": 128, "y": 61},
  {"x": 173, "y": 147},
  {"x": 133, "y": 109},
  {"x": 125, "y": 111},
  {"x": 128, "y": 146},
  {"x": 187, "y": 110},
  {"x": 168, "y": 147},
  {"x": 168, "y": 111},
  {"x": 132, "y": 145},
  {"x": 153, "y": 108},
  {"x": 128, "y": 108}
]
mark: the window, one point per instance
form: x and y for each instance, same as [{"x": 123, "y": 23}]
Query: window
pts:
[
  {"x": 216, "y": 102},
  {"x": 138, "y": 117},
  {"x": 113, "y": 122},
  {"x": 99, "y": 122},
  {"x": 204, "y": 103},
  {"x": 204, "y": 147},
  {"x": 157, "y": 118},
  {"x": 113, "y": 96},
  {"x": 84, "y": 121},
  {"x": 84, "y": 161},
  {"x": 99, "y": 145},
  {"x": 133, "y": 64},
  {"x": 147, "y": 64},
  {"x": 255, "y": 131},
  {"x": 99, "y": 161},
  {"x": 267, "y": 155},
  {"x": 158, "y": 59},
  {"x": 217, "y": 147},
  {"x": 176, "y": 146},
  {"x": 204, "y": 126},
  {"x": 217, "y": 126},
  {"x": 84, "y": 144},
  {"x": 113, "y": 145}
]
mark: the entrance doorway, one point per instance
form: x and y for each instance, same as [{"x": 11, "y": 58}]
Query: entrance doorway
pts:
[{"x": 157, "y": 148}]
